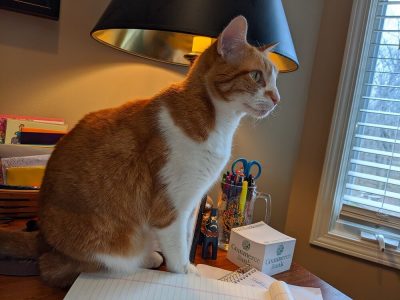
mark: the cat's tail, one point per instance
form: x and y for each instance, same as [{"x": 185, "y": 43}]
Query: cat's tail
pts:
[{"x": 19, "y": 244}]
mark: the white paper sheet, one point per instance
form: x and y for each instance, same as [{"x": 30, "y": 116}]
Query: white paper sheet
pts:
[{"x": 155, "y": 285}]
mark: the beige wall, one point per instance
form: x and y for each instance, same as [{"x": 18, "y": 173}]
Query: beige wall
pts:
[
  {"x": 55, "y": 69},
  {"x": 358, "y": 278}
]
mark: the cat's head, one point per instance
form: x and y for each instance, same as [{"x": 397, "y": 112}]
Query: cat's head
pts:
[{"x": 241, "y": 75}]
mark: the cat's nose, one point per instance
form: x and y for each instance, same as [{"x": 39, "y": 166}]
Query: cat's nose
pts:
[{"x": 274, "y": 95}]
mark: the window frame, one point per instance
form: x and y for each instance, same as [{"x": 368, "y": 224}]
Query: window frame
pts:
[{"x": 326, "y": 231}]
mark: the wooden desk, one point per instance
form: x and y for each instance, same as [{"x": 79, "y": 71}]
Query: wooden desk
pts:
[
  {"x": 297, "y": 275},
  {"x": 31, "y": 287}
]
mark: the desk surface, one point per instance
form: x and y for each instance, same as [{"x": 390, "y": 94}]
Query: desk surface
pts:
[
  {"x": 297, "y": 275},
  {"x": 31, "y": 287}
]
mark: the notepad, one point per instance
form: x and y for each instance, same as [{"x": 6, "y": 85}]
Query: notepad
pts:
[
  {"x": 155, "y": 285},
  {"x": 252, "y": 277},
  {"x": 248, "y": 275}
]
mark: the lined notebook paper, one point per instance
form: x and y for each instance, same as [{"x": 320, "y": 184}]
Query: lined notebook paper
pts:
[
  {"x": 155, "y": 285},
  {"x": 151, "y": 284}
]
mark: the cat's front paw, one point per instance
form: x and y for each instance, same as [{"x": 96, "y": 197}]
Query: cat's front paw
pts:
[
  {"x": 184, "y": 269},
  {"x": 153, "y": 261}
]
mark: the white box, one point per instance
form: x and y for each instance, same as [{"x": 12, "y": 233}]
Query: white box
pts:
[{"x": 262, "y": 247}]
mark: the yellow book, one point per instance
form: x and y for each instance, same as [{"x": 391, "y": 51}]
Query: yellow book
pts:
[{"x": 25, "y": 176}]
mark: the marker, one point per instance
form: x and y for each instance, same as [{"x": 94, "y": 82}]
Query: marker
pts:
[
  {"x": 243, "y": 194},
  {"x": 232, "y": 188},
  {"x": 251, "y": 180},
  {"x": 251, "y": 187},
  {"x": 226, "y": 187}
]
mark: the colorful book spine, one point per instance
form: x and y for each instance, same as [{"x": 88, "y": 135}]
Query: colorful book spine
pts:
[
  {"x": 36, "y": 136},
  {"x": 23, "y": 161},
  {"x": 3, "y": 126},
  {"x": 14, "y": 127},
  {"x": 32, "y": 118},
  {"x": 25, "y": 176}
]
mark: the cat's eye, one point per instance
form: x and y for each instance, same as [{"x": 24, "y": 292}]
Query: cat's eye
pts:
[{"x": 256, "y": 75}]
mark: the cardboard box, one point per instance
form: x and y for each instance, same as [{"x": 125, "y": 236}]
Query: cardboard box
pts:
[{"x": 262, "y": 247}]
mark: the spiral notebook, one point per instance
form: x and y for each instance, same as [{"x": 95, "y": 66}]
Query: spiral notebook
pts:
[
  {"x": 247, "y": 275},
  {"x": 250, "y": 276}
]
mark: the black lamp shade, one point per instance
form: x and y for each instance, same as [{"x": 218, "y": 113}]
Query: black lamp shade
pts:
[{"x": 164, "y": 29}]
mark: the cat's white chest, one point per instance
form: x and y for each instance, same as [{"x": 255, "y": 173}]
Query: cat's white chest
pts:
[{"x": 192, "y": 167}]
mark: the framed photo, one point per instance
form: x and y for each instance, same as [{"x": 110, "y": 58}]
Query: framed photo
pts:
[{"x": 42, "y": 8}]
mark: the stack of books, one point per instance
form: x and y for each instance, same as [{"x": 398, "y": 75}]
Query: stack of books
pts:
[
  {"x": 28, "y": 130},
  {"x": 25, "y": 146},
  {"x": 23, "y": 171}
]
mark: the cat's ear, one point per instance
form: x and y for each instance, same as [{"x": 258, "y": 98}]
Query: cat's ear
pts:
[
  {"x": 268, "y": 47},
  {"x": 233, "y": 37}
]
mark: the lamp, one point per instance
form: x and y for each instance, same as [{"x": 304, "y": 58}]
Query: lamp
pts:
[{"x": 167, "y": 30}]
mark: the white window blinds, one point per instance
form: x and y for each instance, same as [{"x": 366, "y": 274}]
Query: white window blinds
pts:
[{"x": 370, "y": 177}]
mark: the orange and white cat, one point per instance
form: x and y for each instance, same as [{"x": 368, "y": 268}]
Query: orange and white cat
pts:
[{"x": 125, "y": 177}]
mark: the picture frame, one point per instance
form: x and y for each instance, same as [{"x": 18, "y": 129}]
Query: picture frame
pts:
[{"x": 42, "y": 8}]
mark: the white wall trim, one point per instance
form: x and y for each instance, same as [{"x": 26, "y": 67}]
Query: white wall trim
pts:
[{"x": 356, "y": 247}]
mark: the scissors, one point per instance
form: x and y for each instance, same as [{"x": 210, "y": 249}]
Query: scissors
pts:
[{"x": 247, "y": 165}]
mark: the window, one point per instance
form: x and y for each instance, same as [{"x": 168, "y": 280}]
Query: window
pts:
[{"x": 358, "y": 206}]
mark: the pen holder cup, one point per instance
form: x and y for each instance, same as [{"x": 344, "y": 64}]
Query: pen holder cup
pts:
[{"x": 236, "y": 208}]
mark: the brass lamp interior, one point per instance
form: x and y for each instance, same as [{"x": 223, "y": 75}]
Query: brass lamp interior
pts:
[{"x": 167, "y": 46}]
